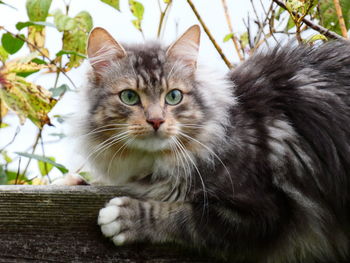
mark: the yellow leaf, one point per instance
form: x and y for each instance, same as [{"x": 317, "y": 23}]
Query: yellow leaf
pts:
[
  {"x": 40, "y": 181},
  {"x": 3, "y": 109},
  {"x": 36, "y": 36},
  {"x": 27, "y": 99},
  {"x": 17, "y": 67}
]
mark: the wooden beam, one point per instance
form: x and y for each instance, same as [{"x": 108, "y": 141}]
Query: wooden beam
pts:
[{"x": 58, "y": 224}]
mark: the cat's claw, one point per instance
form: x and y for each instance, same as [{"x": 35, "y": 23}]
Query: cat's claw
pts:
[{"x": 116, "y": 220}]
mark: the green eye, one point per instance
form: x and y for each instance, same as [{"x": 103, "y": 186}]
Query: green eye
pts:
[
  {"x": 173, "y": 97},
  {"x": 129, "y": 97}
]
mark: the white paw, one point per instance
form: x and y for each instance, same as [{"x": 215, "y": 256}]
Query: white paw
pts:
[
  {"x": 70, "y": 179},
  {"x": 108, "y": 214},
  {"x": 110, "y": 229},
  {"x": 115, "y": 220}
]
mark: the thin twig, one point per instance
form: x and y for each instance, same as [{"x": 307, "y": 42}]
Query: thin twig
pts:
[
  {"x": 261, "y": 25},
  {"x": 318, "y": 28},
  {"x": 33, "y": 150},
  {"x": 18, "y": 129},
  {"x": 342, "y": 25},
  {"x": 43, "y": 153},
  {"x": 18, "y": 170},
  {"x": 162, "y": 16},
  {"x": 234, "y": 39},
  {"x": 206, "y": 30}
]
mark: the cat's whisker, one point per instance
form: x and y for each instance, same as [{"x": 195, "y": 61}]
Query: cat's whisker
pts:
[
  {"x": 174, "y": 150},
  {"x": 186, "y": 167},
  {"x": 205, "y": 197},
  {"x": 100, "y": 131},
  {"x": 103, "y": 127},
  {"x": 115, "y": 154},
  {"x": 104, "y": 145},
  {"x": 211, "y": 152}
]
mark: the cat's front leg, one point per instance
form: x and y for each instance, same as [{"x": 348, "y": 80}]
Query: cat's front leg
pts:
[{"x": 127, "y": 220}]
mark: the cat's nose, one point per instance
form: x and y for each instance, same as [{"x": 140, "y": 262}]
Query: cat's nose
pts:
[{"x": 155, "y": 123}]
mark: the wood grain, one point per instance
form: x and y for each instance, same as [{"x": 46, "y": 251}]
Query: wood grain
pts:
[{"x": 58, "y": 224}]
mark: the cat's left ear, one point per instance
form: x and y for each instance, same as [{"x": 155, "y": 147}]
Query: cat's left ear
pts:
[
  {"x": 102, "y": 48},
  {"x": 186, "y": 47}
]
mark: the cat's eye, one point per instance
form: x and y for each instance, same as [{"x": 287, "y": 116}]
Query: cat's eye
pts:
[
  {"x": 174, "y": 97},
  {"x": 129, "y": 97}
]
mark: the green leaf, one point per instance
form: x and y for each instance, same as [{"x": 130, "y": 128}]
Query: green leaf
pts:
[
  {"x": 59, "y": 135},
  {"x": 244, "y": 38},
  {"x": 112, "y": 3},
  {"x": 137, "y": 10},
  {"x": 39, "y": 61},
  {"x": 11, "y": 44},
  {"x": 12, "y": 176},
  {"x": 25, "y": 98},
  {"x": 3, "y": 175},
  {"x": 68, "y": 52},
  {"x": 75, "y": 35},
  {"x": 290, "y": 24},
  {"x": 63, "y": 22},
  {"x": 56, "y": 92},
  {"x": 279, "y": 13},
  {"x": 6, "y": 157},
  {"x": 3, "y": 3},
  {"x": 38, "y": 10},
  {"x": 45, "y": 167},
  {"x": 3, "y": 54},
  {"x": 228, "y": 37},
  {"x": 59, "y": 118},
  {"x": 4, "y": 125},
  {"x": 295, "y": 5},
  {"x": 60, "y": 167},
  {"x": 316, "y": 37},
  {"x": 21, "y": 25}
]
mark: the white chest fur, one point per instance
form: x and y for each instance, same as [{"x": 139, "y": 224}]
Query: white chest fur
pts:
[{"x": 109, "y": 170}]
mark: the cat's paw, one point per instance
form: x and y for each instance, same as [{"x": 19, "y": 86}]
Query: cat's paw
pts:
[
  {"x": 70, "y": 179},
  {"x": 119, "y": 220}
]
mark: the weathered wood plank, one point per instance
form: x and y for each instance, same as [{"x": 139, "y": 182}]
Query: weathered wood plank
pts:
[{"x": 58, "y": 224}]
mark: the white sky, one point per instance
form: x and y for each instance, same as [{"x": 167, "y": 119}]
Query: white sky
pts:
[{"x": 119, "y": 25}]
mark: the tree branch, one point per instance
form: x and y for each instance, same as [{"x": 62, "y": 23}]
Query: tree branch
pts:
[
  {"x": 344, "y": 31},
  {"x": 318, "y": 28},
  {"x": 234, "y": 39},
  {"x": 162, "y": 16},
  {"x": 206, "y": 30}
]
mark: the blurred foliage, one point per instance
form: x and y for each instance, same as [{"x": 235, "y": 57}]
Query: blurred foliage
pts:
[{"x": 32, "y": 102}]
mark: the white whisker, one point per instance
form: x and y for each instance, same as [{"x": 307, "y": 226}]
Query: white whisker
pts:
[
  {"x": 205, "y": 197},
  {"x": 211, "y": 152}
]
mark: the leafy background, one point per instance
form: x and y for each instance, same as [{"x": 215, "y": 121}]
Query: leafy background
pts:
[{"x": 43, "y": 59}]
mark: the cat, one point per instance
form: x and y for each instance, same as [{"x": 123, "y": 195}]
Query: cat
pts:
[{"x": 251, "y": 165}]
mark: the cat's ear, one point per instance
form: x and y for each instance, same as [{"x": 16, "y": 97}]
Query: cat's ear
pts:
[
  {"x": 186, "y": 47},
  {"x": 102, "y": 48}
]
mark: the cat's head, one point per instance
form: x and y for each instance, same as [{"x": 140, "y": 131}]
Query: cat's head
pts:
[{"x": 146, "y": 96}]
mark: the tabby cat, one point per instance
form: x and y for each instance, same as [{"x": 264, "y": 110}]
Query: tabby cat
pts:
[{"x": 253, "y": 165}]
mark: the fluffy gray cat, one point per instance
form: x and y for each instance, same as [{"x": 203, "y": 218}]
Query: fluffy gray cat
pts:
[{"x": 252, "y": 165}]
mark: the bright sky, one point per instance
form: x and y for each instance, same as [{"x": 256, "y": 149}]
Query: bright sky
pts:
[{"x": 119, "y": 25}]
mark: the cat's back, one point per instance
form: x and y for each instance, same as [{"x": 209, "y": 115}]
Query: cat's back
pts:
[{"x": 307, "y": 89}]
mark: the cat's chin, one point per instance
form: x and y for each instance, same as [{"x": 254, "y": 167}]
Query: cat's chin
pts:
[{"x": 151, "y": 144}]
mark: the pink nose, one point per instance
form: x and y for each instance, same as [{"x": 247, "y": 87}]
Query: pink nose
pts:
[{"x": 155, "y": 123}]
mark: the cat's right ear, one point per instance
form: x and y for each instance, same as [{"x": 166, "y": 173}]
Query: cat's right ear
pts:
[
  {"x": 186, "y": 47},
  {"x": 102, "y": 48}
]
